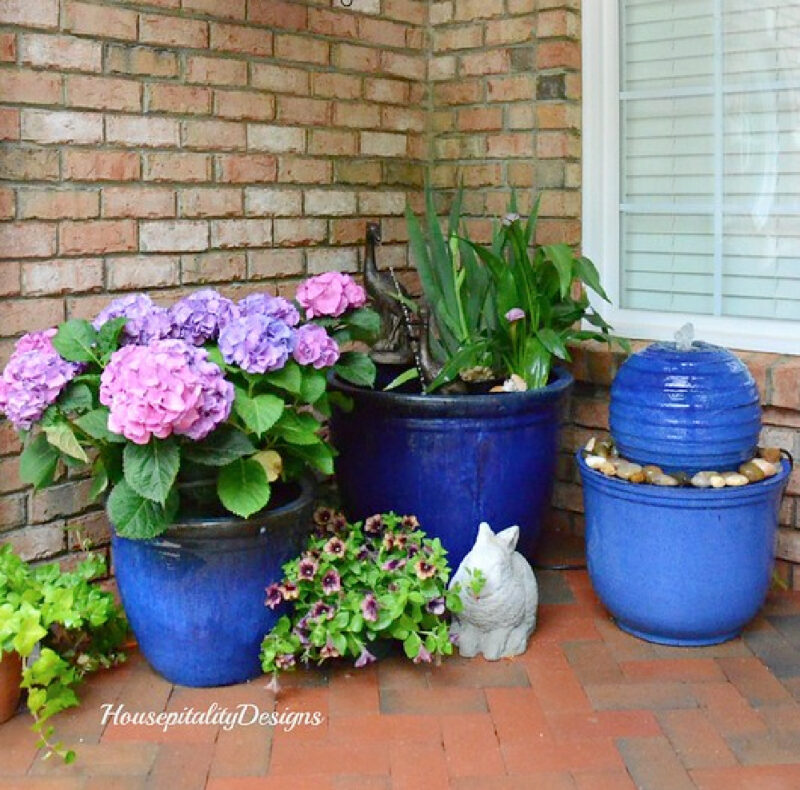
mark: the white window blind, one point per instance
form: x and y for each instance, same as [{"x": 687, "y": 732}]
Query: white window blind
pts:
[{"x": 709, "y": 141}]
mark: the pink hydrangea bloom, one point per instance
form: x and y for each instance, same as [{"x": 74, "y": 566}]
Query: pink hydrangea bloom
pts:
[
  {"x": 33, "y": 379},
  {"x": 313, "y": 346},
  {"x": 330, "y": 294},
  {"x": 163, "y": 388}
]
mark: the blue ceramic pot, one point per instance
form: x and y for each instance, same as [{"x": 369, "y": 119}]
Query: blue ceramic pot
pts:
[
  {"x": 194, "y": 596},
  {"x": 685, "y": 410},
  {"x": 681, "y": 566},
  {"x": 451, "y": 460}
]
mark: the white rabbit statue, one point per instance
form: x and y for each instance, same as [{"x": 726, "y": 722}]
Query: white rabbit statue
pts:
[{"x": 499, "y": 594}]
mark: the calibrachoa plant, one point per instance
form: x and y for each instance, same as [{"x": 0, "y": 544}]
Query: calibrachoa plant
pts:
[
  {"x": 210, "y": 388},
  {"x": 63, "y": 627},
  {"x": 356, "y": 584}
]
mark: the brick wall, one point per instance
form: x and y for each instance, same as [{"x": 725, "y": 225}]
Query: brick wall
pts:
[
  {"x": 166, "y": 144},
  {"x": 778, "y": 379},
  {"x": 505, "y": 108}
]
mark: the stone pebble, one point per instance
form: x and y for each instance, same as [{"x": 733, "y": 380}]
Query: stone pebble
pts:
[{"x": 603, "y": 457}]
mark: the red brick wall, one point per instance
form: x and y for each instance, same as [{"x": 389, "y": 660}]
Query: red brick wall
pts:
[
  {"x": 778, "y": 379},
  {"x": 505, "y": 96},
  {"x": 166, "y": 144}
]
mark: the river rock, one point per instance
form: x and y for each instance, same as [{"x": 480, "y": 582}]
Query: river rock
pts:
[
  {"x": 716, "y": 480},
  {"x": 664, "y": 480},
  {"x": 702, "y": 480},
  {"x": 735, "y": 479},
  {"x": 626, "y": 469},
  {"x": 753, "y": 472},
  {"x": 594, "y": 461},
  {"x": 771, "y": 454},
  {"x": 651, "y": 471},
  {"x": 769, "y": 469}
]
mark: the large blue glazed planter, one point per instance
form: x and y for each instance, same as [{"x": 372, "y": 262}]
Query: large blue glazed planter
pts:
[
  {"x": 681, "y": 566},
  {"x": 194, "y": 596},
  {"x": 685, "y": 410},
  {"x": 451, "y": 460}
]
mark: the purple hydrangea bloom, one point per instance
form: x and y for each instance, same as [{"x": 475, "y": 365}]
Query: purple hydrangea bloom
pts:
[
  {"x": 33, "y": 379},
  {"x": 163, "y": 388},
  {"x": 146, "y": 321},
  {"x": 198, "y": 317},
  {"x": 256, "y": 343},
  {"x": 268, "y": 305},
  {"x": 313, "y": 346}
]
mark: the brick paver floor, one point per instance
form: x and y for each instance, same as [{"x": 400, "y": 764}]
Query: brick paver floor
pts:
[{"x": 586, "y": 707}]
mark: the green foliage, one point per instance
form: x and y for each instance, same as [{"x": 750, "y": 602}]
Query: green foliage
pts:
[
  {"x": 243, "y": 487},
  {"x": 77, "y": 626},
  {"x": 470, "y": 290},
  {"x": 359, "y": 584},
  {"x": 477, "y": 581}
]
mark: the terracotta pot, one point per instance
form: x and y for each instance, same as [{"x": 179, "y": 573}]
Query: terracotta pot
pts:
[{"x": 10, "y": 678}]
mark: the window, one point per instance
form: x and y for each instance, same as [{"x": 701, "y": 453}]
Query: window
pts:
[{"x": 691, "y": 146}]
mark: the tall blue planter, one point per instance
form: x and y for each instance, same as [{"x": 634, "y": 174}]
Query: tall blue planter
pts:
[
  {"x": 194, "y": 596},
  {"x": 681, "y": 566},
  {"x": 451, "y": 460},
  {"x": 685, "y": 410}
]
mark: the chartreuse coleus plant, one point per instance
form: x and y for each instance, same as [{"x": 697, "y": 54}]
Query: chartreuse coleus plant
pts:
[
  {"x": 509, "y": 308},
  {"x": 360, "y": 584},
  {"x": 234, "y": 393},
  {"x": 63, "y": 627}
]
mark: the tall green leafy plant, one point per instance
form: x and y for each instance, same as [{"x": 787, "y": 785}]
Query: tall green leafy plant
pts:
[{"x": 512, "y": 306}]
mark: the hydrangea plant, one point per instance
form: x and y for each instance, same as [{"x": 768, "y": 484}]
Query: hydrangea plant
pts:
[
  {"x": 63, "y": 627},
  {"x": 359, "y": 584},
  {"x": 207, "y": 387}
]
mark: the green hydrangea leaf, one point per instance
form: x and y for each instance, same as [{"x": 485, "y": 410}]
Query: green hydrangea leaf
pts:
[
  {"x": 219, "y": 448},
  {"x": 95, "y": 424},
  {"x": 150, "y": 469},
  {"x": 357, "y": 368},
  {"x": 259, "y": 413},
  {"x": 75, "y": 341},
  {"x": 37, "y": 464},
  {"x": 63, "y": 437},
  {"x": 243, "y": 487},
  {"x": 134, "y": 516}
]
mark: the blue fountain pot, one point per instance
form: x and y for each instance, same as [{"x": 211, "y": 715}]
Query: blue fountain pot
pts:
[
  {"x": 681, "y": 566},
  {"x": 685, "y": 410}
]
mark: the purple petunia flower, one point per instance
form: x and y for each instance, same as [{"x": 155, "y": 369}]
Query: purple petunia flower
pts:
[
  {"x": 289, "y": 590},
  {"x": 285, "y": 661},
  {"x": 256, "y": 343},
  {"x": 369, "y": 607},
  {"x": 436, "y": 606},
  {"x": 364, "y": 659},
  {"x": 271, "y": 306},
  {"x": 146, "y": 322},
  {"x": 331, "y": 582},
  {"x": 329, "y": 650},
  {"x": 364, "y": 554},
  {"x": 163, "y": 388},
  {"x": 323, "y": 515},
  {"x": 515, "y": 314},
  {"x": 412, "y": 550},
  {"x": 199, "y": 316},
  {"x": 424, "y": 656},
  {"x": 335, "y": 546},
  {"x": 374, "y": 525},
  {"x": 321, "y": 609},
  {"x": 313, "y": 346},
  {"x": 274, "y": 596},
  {"x": 33, "y": 379},
  {"x": 393, "y": 565},
  {"x": 425, "y": 570},
  {"x": 410, "y": 522},
  {"x": 307, "y": 568}
]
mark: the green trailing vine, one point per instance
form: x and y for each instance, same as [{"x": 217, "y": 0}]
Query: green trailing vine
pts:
[{"x": 63, "y": 627}]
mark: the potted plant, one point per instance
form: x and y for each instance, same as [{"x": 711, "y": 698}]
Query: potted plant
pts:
[
  {"x": 358, "y": 587},
  {"x": 55, "y": 626},
  {"x": 477, "y": 439},
  {"x": 204, "y": 423}
]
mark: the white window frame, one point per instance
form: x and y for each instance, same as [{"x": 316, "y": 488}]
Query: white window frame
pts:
[{"x": 600, "y": 206}]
